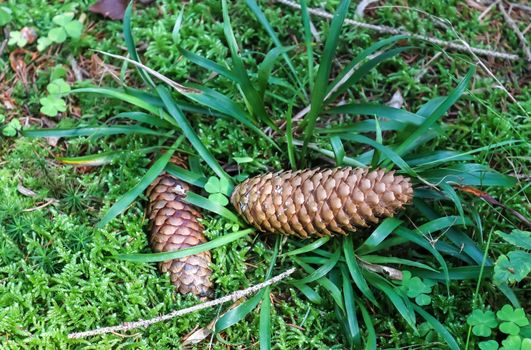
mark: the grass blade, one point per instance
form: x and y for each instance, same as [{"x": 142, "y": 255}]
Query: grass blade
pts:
[
  {"x": 308, "y": 292},
  {"x": 438, "y": 327},
  {"x": 321, "y": 80},
  {"x": 254, "y": 99},
  {"x": 130, "y": 43},
  {"x": 350, "y": 308},
  {"x": 306, "y": 23},
  {"x": 355, "y": 270},
  {"x": 339, "y": 150},
  {"x": 335, "y": 293},
  {"x": 370, "y": 342},
  {"x": 265, "y": 321},
  {"x": 190, "y": 134},
  {"x": 412, "y": 140},
  {"x": 338, "y": 81},
  {"x": 205, "y": 203},
  {"x": 102, "y": 158},
  {"x": 381, "y": 111},
  {"x": 289, "y": 137},
  {"x": 186, "y": 175},
  {"x": 91, "y": 131},
  {"x": 265, "y": 68},
  {"x": 125, "y": 200},
  {"x": 389, "y": 153},
  {"x": 324, "y": 269},
  {"x": 237, "y": 314},
  {"x": 309, "y": 247},
  {"x": 209, "y": 65},
  {"x": 379, "y": 234},
  {"x": 157, "y": 257},
  {"x": 255, "y": 9},
  {"x": 335, "y": 90}
]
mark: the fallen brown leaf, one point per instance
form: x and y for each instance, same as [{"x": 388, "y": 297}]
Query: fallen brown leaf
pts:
[
  {"x": 491, "y": 200},
  {"x": 113, "y": 9}
]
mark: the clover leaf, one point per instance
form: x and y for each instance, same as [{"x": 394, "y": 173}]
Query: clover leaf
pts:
[
  {"x": 5, "y": 16},
  {"x": 482, "y": 322},
  {"x": 2, "y": 118},
  {"x": 74, "y": 29},
  {"x": 51, "y": 105},
  {"x": 513, "y": 342},
  {"x": 43, "y": 43},
  {"x": 219, "y": 198},
  {"x": 414, "y": 287},
  {"x": 518, "y": 238},
  {"x": 513, "y": 319},
  {"x": 63, "y": 18},
  {"x": 58, "y": 87},
  {"x": 219, "y": 189},
  {"x": 489, "y": 345},
  {"x": 57, "y": 35},
  {"x": 513, "y": 267},
  {"x": 11, "y": 128},
  {"x": 17, "y": 38}
]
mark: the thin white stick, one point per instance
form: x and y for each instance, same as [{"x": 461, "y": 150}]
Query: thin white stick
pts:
[
  {"x": 391, "y": 30},
  {"x": 144, "y": 323}
]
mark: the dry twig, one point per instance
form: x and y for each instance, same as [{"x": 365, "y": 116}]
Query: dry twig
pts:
[
  {"x": 390, "y": 30},
  {"x": 145, "y": 323},
  {"x": 514, "y": 27}
]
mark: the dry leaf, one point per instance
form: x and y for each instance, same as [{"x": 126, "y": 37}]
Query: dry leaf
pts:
[
  {"x": 113, "y": 9},
  {"x": 489, "y": 199},
  {"x": 360, "y": 9},
  {"x": 29, "y": 34},
  {"x": 25, "y": 191},
  {"x": 397, "y": 101}
]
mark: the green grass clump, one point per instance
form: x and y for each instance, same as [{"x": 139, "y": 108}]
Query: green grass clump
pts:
[{"x": 59, "y": 273}]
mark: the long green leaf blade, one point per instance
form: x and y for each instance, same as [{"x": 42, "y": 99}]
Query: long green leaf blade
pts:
[
  {"x": 124, "y": 201},
  {"x": 158, "y": 257}
]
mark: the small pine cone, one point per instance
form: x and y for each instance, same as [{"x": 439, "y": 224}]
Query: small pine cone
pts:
[
  {"x": 320, "y": 202},
  {"x": 174, "y": 225}
]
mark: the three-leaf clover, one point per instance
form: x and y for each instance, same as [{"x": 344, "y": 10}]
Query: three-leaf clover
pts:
[
  {"x": 5, "y": 15},
  {"x": 482, "y": 322},
  {"x": 219, "y": 189},
  {"x": 67, "y": 27},
  {"x": 513, "y": 267},
  {"x": 58, "y": 87},
  {"x": 414, "y": 287},
  {"x": 11, "y": 128},
  {"x": 51, "y": 105},
  {"x": 512, "y": 319},
  {"x": 17, "y": 38},
  {"x": 71, "y": 27}
]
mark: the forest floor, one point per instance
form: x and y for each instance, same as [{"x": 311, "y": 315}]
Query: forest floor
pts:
[{"x": 55, "y": 273}]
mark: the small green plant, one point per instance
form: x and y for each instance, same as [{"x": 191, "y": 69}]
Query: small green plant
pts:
[
  {"x": 516, "y": 265},
  {"x": 416, "y": 288},
  {"x": 508, "y": 320},
  {"x": 11, "y": 128},
  {"x": 218, "y": 188},
  {"x": 53, "y": 103},
  {"x": 67, "y": 27},
  {"x": 16, "y": 37},
  {"x": 5, "y": 15}
]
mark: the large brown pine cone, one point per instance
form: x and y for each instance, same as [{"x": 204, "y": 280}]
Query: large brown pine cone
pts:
[
  {"x": 174, "y": 225},
  {"x": 320, "y": 202}
]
